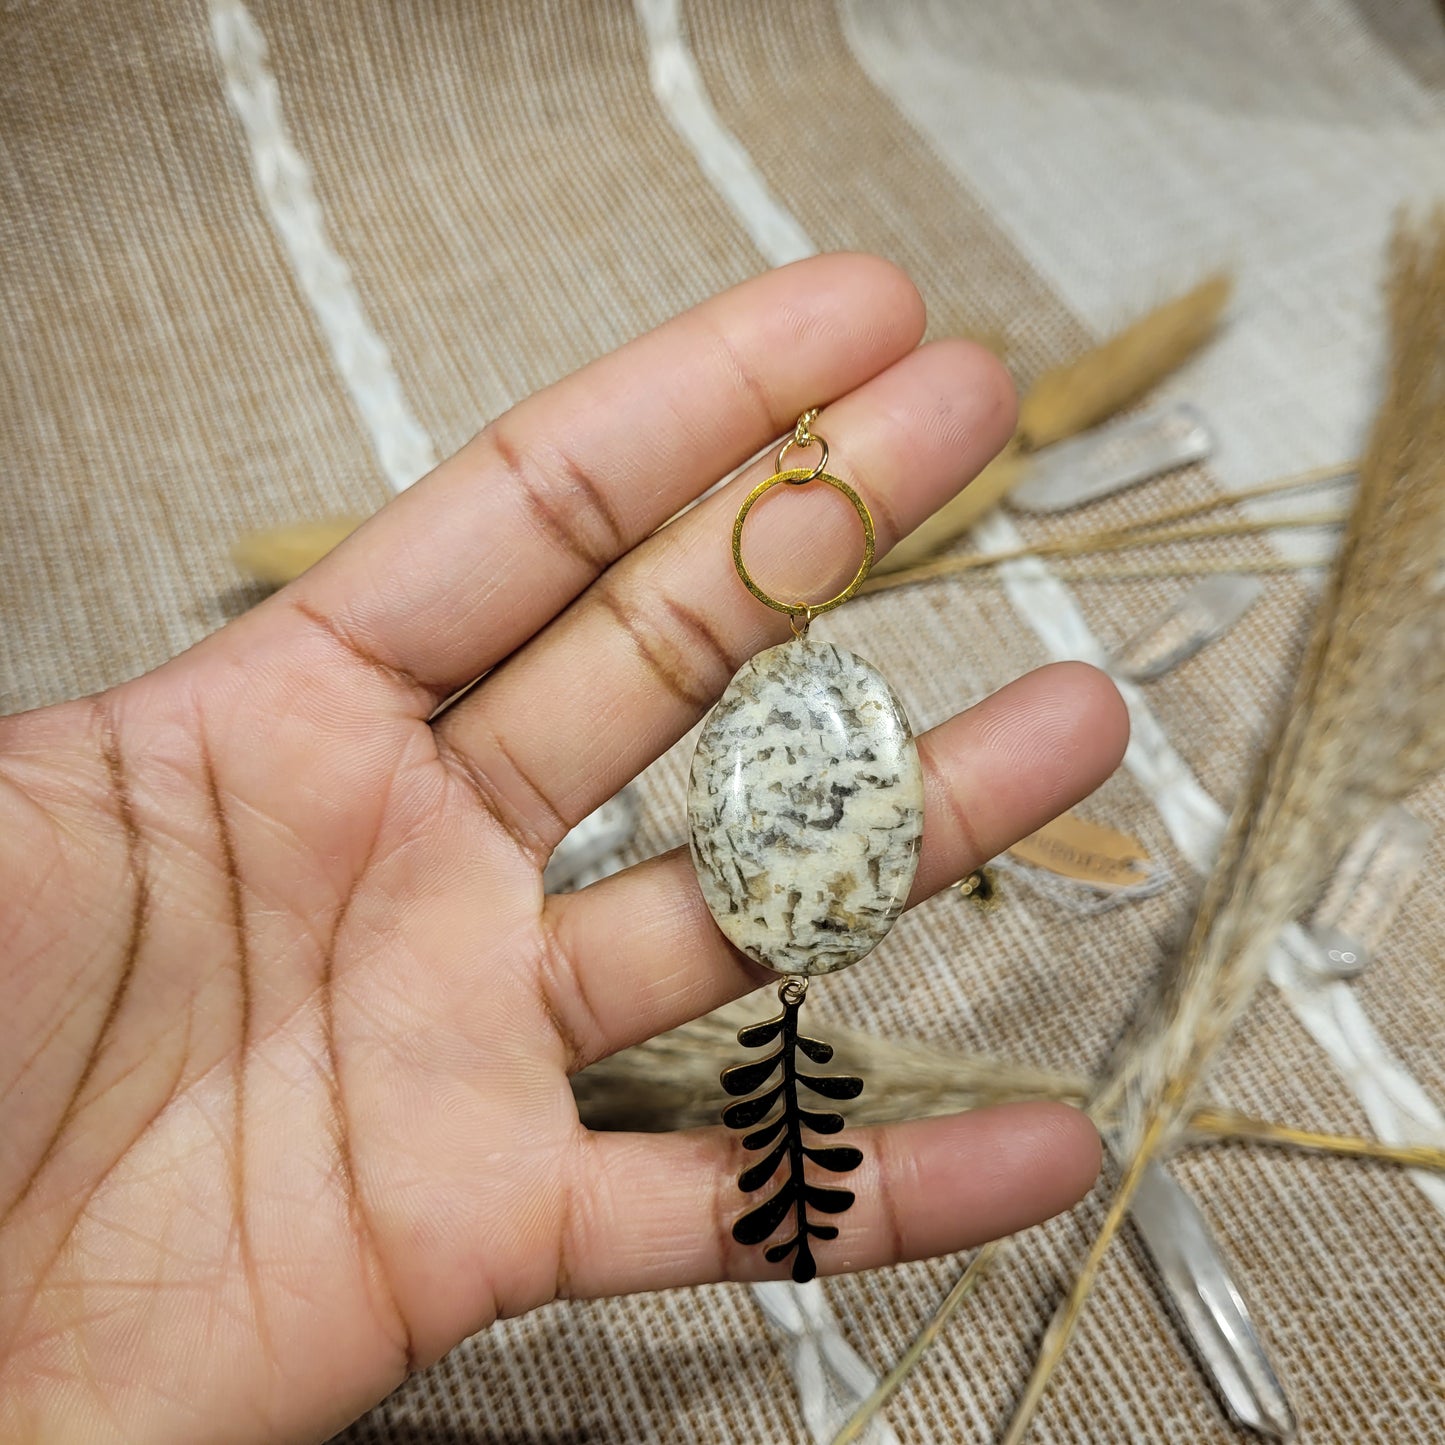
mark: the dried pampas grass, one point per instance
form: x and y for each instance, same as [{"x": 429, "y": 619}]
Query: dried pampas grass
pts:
[
  {"x": 1117, "y": 539},
  {"x": 671, "y": 1082},
  {"x": 1061, "y": 403},
  {"x": 1072, "y": 398},
  {"x": 1365, "y": 726},
  {"x": 280, "y": 556},
  {"x": 957, "y": 515}
]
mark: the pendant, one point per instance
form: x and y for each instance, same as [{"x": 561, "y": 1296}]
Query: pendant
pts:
[
  {"x": 795, "y": 1195},
  {"x": 805, "y": 819},
  {"x": 805, "y": 809}
]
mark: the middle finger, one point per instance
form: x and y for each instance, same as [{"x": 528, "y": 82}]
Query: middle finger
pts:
[{"x": 624, "y": 672}]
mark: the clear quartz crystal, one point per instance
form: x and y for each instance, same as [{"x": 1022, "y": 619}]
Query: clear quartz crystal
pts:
[
  {"x": 1110, "y": 458},
  {"x": 1366, "y": 891},
  {"x": 1198, "y": 617},
  {"x": 593, "y": 849}
]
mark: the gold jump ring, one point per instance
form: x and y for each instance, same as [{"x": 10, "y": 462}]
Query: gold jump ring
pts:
[
  {"x": 797, "y": 477},
  {"x": 793, "y": 990},
  {"x": 803, "y": 474}
]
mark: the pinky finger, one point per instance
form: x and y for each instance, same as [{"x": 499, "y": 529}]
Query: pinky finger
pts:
[{"x": 655, "y": 1211}]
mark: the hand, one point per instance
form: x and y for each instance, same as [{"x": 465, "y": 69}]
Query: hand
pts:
[{"x": 286, "y": 1022}]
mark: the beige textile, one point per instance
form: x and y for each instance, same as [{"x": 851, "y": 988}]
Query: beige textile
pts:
[{"x": 512, "y": 200}]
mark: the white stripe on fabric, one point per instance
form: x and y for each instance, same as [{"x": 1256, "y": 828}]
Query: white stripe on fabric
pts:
[
  {"x": 1117, "y": 164},
  {"x": 684, "y": 100},
  {"x": 283, "y": 182}
]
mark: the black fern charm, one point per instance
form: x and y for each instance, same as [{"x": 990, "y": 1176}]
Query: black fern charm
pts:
[{"x": 782, "y": 1136}]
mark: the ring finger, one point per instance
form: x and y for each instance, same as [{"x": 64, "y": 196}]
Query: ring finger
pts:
[{"x": 638, "y": 952}]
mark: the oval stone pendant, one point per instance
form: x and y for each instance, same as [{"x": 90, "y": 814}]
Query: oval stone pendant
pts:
[
  {"x": 805, "y": 808},
  {"x": 804, "y": 814}
]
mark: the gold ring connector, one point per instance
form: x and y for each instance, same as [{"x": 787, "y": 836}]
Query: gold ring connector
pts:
[{"x": 806, "y": 610}]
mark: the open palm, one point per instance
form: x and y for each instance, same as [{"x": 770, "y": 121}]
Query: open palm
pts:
[{"x": 286, "y": 1021}]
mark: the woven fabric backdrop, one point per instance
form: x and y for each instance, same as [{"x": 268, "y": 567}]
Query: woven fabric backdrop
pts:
[{"x": 266, "y": 263}]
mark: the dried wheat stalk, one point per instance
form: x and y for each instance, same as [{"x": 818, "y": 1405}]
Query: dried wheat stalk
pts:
[
  {"x": 1365, "y": 726},
  {"x": 1072, "y": 398},
  {"x": 282, "y": 555},
  {"x": 1113, "y": 539},
  {"x": 1105, "y": 571},
  {"x": 1209, "y": 1125},
  {"x": 957, "y": 515},
  {"x": 1061, "y": 403},
  {"x": 671, "y": 1082},
  {"x": 966, "y": 1284}
]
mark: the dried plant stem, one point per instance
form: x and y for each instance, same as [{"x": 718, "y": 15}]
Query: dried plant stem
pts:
[
  {"x": 1207, "y": 1126},
  {"x": 1294, "y": 482},
  {"x": 1227, "y": 1126},
  {"x": 276, "y": 557},
  {"x": 956, "y": 516},
  {"x": 912, "y": 568},
  {"x": 1059, "y": 404},
  {"x": 1190, "y": 567},
  {"x": 1061, "y": 1327},
  {"x": 670, "y": 1083},
  {"x": 889, "y": 1385},
  {"x": 1094, "y": 543},
  {"x": 1121, "y": 539},
  {"x": 1071, "y": 398},
  {"x": 279, "y": 556}
]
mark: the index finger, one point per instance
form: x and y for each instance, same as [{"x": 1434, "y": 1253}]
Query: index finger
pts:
[{"x": 461, "y": 569}]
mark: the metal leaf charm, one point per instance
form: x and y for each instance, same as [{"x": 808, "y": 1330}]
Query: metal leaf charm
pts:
[{"x": 782, "y": 1135}]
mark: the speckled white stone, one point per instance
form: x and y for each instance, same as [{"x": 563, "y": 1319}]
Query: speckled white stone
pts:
[{"x": 805, "y": 808}]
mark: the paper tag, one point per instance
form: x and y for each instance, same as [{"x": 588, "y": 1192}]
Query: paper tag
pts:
[{"x": 1088, "y": 852}]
